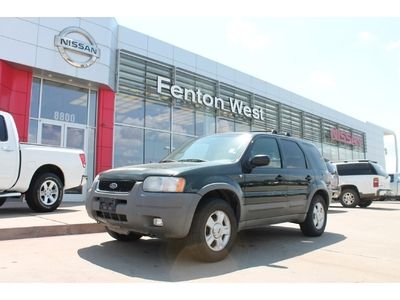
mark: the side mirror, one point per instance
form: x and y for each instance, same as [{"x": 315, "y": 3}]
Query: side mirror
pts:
[{"x": 259, "y": 161}]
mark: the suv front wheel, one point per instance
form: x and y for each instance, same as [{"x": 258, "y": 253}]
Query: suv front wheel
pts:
[
  {"x": 315, "y": 222},
  {"x": 349, "y": 198},
  {"x": 213, "y": 231}
]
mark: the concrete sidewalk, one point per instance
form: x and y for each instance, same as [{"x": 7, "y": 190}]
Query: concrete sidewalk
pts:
[{"x": 17, "y": 221}]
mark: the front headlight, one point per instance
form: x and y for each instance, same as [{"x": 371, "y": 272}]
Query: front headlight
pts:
[
  {"x": 164, "y": 184},
  {"x": 94, "y": 183}
]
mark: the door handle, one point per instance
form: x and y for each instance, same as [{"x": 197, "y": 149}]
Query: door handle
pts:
[
  {"x": 278, "y": 179},
  {"x": 308, "y": 178}
]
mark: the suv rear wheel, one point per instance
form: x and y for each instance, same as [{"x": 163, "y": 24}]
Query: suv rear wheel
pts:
[
  {"x": 213, "y": 231},
  {"x": 349, "y": 198},
  {"x": 315, "y": 222}
]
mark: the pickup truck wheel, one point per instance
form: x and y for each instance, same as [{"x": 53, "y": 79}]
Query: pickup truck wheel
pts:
[
  {"x": 45, "y": 193},
  {"x": 213, "y": 231},
  {"x": 2, "y": 201},
  {"x": 349, "y": 198},
  {"x": 131, "y": 236},
  {"x": 364, "y": 203},
  {"x": 315, "y": 222}
]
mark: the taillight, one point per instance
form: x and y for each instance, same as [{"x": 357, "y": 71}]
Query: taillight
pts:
[
  {"x": 83, "y": 159},
  {"x": 376, "y": 182}
]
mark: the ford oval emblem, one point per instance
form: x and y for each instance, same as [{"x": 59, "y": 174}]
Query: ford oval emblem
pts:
[{"x": 113, "y": 185}]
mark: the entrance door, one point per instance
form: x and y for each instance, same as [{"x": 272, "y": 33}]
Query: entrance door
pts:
[
  {"x": 60, "y": 134},
  {"x": 67, "y": 135}
]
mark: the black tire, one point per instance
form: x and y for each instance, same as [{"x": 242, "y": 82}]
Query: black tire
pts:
[
  {"x": 2, "y": 201},
  {"x": 221, "y": 236},
  {"x": 131, "y": 236},
  {"x": 364, "y": 203},
  {"x": 45, "y": 193},
  {"x": 315, "y": 222},
  {"x": 349, "y": 198}
]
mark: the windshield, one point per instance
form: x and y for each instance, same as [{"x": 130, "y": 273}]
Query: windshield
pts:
[{"x": 229, "y": 147}]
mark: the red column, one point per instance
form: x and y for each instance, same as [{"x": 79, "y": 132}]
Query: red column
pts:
[
  {"x": 105, "y": 130},
  {"x": 15, "y": 95}
]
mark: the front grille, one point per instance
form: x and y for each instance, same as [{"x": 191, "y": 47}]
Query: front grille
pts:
[
  {"x": 111, "y": 216},
  {"x": 121, "y": 186}
]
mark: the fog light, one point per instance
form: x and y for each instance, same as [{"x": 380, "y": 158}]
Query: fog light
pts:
[{"x": 158, "y": 222}]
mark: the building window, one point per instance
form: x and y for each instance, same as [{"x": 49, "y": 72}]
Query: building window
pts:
[
  {"x": 183, "y": 120},
  {"x": 205, "y": 123},
  {"x": 129, "y": 110},
  {"x": 128, "y": 146},
  {"x": 225, "y": 125},
  {"x": 158, "y": 115},
  {"x": 157, "y": 146},
  {"x": 64, "y": 103}
]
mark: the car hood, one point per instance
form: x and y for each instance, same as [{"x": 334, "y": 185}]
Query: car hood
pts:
[{"x": 140, "y": 172}]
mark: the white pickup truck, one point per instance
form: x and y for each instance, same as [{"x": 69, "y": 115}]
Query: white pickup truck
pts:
[{"x": 40, "y": 172}]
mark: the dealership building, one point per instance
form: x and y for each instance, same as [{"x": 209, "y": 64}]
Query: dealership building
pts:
[{"x": 127, "y": 98}]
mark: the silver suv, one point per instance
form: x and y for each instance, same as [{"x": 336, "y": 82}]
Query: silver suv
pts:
[{"x": 362, "y": 182}]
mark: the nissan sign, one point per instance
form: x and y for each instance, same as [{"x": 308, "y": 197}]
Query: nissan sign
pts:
[{"x": 77, "y": 47}]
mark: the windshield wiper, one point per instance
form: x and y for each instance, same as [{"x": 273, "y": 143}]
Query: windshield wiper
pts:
[
  {"x": 167, "y": 161},
  {"x": 191, "y": 160}
]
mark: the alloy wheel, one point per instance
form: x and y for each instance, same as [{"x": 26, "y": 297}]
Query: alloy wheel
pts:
[
  {"x": 49, "y": 192},
  {"x": 218, "y": 230}
]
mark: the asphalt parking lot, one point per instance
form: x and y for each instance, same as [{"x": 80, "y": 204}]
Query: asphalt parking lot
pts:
[{"x": 359, "y": 245}]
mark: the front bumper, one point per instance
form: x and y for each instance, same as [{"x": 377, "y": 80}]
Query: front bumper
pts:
[{"x": 135, "y": 211}]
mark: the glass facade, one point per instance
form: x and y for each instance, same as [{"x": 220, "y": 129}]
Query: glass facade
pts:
[
  {"x": 63, "y": 115},
  {"x": 149, "y": 125}
]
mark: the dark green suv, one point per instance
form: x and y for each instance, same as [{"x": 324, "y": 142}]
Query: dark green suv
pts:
[{"x": 211, "y": 188}]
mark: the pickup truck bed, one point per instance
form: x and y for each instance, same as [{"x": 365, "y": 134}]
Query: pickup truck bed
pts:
[{"x": 40, "y": 172}]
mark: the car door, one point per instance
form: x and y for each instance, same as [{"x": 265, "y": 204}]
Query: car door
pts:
[
  {"x": 9, "y": 157},
  {"x": 298, "y": 177},
  {"x": 265, "y": 187}
]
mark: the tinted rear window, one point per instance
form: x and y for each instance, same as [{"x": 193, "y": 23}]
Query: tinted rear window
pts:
[
  {"x": 315, "y": 157},
  {"x": 3, "y": 130},
  {"x": 355, "y": 169},
  {"x": 294, "y": 156},
  {"x": 379, "y": 170},
  {"x": 331, "y": 167}
]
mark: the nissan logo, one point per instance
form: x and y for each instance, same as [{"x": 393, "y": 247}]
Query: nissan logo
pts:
[
  {"x": 113, "y": 185},
  {"x": 77, "y": 47}
]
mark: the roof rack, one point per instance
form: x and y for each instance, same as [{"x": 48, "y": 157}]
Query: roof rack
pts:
[
  {"x": 274, "y": 131},
  {"x": 356, "y": 160},
  {"x": 286, "y": 133}
]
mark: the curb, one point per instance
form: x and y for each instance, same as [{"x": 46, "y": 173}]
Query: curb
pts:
[{"x": 47, "y": 231}]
